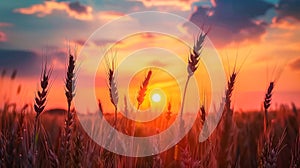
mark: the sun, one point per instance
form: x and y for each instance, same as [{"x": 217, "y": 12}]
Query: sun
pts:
[{"x": 156, "y": 97}]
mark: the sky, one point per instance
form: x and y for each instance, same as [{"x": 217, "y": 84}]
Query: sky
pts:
[{"x": 260, "y": 37}]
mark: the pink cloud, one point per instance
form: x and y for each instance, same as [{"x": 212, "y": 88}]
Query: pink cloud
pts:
[
  {"x": 73, "y": 9},
  {"x": 183, "y": 5},
  {"x": 4, "y": 24},
  {"x": 3, "y": 37},
  {"x": 109, "y": 15}
]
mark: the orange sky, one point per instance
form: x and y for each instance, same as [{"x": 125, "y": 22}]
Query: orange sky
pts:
[{"x": 272, "y": 53}]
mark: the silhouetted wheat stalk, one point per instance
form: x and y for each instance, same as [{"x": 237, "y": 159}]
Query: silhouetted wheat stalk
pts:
[
  {"x": 193, "y": 63},
  {"x": 3, "y": 143},
  {"x": 227, "y": 128},
  {"x": 49, "y": 151},
  {"x": 40, "y": 98},
  {"x": 112, "y": 85},
  {"x": 295, "y": 162},
  {"x": 143, "y": 90},
  {"x": 70, "y": 81},
  {"x": 230, "y": 87},
  {"x": 70, "y": 93},
  {"x": 39, "y": 106},
  {"x": 19, "y": 151},
  {"x": 100, "y": 108},
  {"x": 203, "y": 114},
  {"x": 270, "y": 152},
  {"x": 267, "y": 104},
  {"x": 79, "y": 151}
]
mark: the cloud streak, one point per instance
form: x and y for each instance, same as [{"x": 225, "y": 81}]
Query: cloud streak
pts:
[
  {"x": 3, "y": 37},
  {"x": 4, "y": 24},
  {"x": 184, "y": 5},
  {"x": 73, "y": 9},
  {"x": 110, "y": 15},
  {"x": 295, "y": 65}
]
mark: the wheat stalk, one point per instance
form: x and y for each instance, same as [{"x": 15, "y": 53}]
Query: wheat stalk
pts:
[
  {"x": 3, "y": 143},
  {"x": 143, "y": 90},
  {"x": 203, "y": 114},
  {"x": 70, "y": 93},
  {"x": 78, "y": 154},
  {"x": 267, "y": 104},
  {"x": 230, "y": 87},
  {"x": 41, "y": 96},
  {"x": 70, "y": 81},
  {"x": 49, "y": 151},
  {"x": 270, "y": 152},
  {"x": 100, "y": 108},
  {"x": 295, "y": 161},
  {"x": 193, "y": 63},
  {"x": 112, "y": 85},
  {"x": 19, "y": 151},
  {"x": 39, "y": 106}
]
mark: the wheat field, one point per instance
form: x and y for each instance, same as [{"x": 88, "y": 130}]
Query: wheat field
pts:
[{"x": 34, "y": 136}]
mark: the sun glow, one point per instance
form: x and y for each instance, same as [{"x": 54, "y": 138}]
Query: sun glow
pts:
[{"x": 156, "y": 97}]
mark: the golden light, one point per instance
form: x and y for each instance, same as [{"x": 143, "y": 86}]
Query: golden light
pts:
[{"x": 156, "y": 97}]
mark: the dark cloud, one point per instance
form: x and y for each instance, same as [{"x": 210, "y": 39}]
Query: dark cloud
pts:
[
  {"x": 295, "y": 65},
  {"x": 24, "y": 61},
  {"x": 77, "y": 7},
  {"x": 103, "y": 42},
  {"x": 233, "y": 20},
  {"x": 288, "y": 8},
  {"x": 28, "y": 63},
  {"x": 106, "y": 42}
]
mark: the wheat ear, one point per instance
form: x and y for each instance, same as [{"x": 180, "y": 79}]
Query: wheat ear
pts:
[
  {"x": 195, "y": 54},
  {"x": 143, "y": 90},
  {"x": 41, "y": 96},
  {"x": 267, "y": 104},
  {"x": 230, "y": 87}
]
